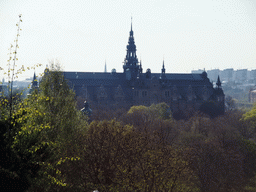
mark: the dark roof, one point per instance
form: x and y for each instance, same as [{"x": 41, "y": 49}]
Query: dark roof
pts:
[
  {"x": 180, "y": 76},
  {"x": 114, "y": 79},
  {"x": 91, "y": 75},
  {"x": 95, "y": 75}
]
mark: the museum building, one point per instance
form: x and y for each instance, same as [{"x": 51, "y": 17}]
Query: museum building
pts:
[{"x": 182, "y": 92}]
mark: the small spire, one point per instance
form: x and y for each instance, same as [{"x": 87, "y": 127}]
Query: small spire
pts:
[
  {"x": 140, "y": 69},
  {"x": 218, "y": 83},
  {"x": 163, "y": 72},
  {"x": 105, "y": 69}
]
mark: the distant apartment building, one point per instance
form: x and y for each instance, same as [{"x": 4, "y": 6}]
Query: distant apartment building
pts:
[
  {"x": 227, "y": 75},
  {"x": 252, "y": 76},
  {"x": 213, "y": 74},
  {"x": 241, "y": 75}
]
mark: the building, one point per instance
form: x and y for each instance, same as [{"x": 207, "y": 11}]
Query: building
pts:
[
  {"x": 227, "y": 75},
  {"x": 241, "y": 75},
  {"x": 213, "y": 74},
  {"x": 182, "y": 92}
]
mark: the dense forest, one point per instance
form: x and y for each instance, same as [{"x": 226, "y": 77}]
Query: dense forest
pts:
[{"x": 47, "y": 144}]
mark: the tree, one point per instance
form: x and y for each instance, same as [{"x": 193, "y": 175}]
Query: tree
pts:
[
  {"x": 219, "y": 152},
  {"x": 217, "y": 168},
  {"x": 251, "y": 116},
  {"x": 119, "y": 157},
  {"x": 50, "y": 130}
]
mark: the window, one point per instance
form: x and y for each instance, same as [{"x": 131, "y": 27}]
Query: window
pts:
[
  {"x": 144, "y": 93},
  {"x": 167, "y": 94}
]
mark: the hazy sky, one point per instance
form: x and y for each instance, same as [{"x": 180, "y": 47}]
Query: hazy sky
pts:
[{"x": 82, "y": 34}]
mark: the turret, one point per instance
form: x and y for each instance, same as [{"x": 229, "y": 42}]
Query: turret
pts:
[
  {"x": 218, "y": 83},
  {"x": 220, "y": 96},
  {"x": 204, "y": 74}
]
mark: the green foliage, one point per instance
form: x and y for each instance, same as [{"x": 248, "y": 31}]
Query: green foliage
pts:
[
  {"x": 251, "y": 116},
  {"x": 136, "y": 109},
  {"x": 45, "y": 130},
  {"x": 60, "y": 124},
  {"x": 160, "y": 110}
]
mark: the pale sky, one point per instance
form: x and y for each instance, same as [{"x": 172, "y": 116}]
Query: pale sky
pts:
[{"x": 82, "y": 34}]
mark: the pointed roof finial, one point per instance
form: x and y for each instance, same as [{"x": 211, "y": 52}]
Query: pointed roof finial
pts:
[
  {"x": 131, "y": 32},
  {"x": 163, "y": 64},
  {"x": 131, "y": 23}
]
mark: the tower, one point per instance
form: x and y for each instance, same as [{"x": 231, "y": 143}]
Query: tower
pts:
[{"x": 131, "y": 65}]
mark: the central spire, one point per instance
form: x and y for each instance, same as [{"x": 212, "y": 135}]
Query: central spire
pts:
[{"x": 131, "y": 65}]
